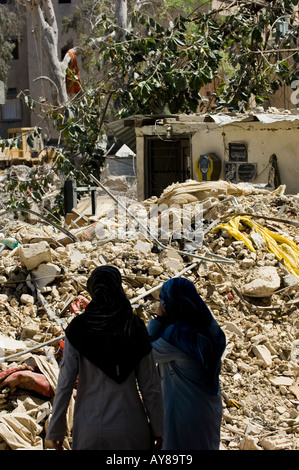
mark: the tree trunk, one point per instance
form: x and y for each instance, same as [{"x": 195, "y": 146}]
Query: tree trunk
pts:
[
  {"x": 121, "y": 15},
  {"x": 45, "y": 25}
]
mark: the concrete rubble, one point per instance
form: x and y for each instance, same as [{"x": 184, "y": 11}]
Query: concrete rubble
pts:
[{"x": 254, "y": 297}]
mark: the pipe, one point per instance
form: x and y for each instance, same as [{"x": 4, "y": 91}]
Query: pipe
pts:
[
  {"x": 219, "y": 259},
  {"x": 37, "y": 346}
]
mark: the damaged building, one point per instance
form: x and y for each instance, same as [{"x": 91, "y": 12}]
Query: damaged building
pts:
[{"x": 258, "y": 148}]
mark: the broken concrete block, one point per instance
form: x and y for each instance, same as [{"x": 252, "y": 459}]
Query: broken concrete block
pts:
[
  {"x": 145, "y": 247},
  {"x": 230, "y": 326},
  {"x": 76, "y": 258},
  {"x": 27, "y": 299},
  {"x": 275, "y": 443},
  {"x": 265, "y": 283},
  {"x": 249, "y": 443},
  {"x": 170, "y": 259},
  {"x": 10, "y": 346},
  {"x": 278, "y": 381},
  {"x": 29, "y": 330},
  {"x": 215, "y": 277},
  {"x": 3, "y": 298},
  {"x": 34, "y": 254},
  {"x": 155, "y": 270},
  {"x": 289, "y": 280},
  {"x": 295, "y": 390},
  {"x": 263, "y": 353},
  {"x": 45, "y": 274}
]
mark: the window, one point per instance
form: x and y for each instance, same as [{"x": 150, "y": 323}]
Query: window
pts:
[
  {"x": 63, "y": 52},
  {"x": 12, "y": 109},
  {"x": 282, "y": 26},
  {"x": 15, "y": 51}
]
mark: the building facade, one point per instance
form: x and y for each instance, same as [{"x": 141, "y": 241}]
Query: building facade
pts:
[{"x": 257, "y": 148}]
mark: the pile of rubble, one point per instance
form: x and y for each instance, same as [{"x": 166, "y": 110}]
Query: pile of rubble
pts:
[{"x": 245, "y": 266}]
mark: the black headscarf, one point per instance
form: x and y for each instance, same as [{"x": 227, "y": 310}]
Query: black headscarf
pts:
[{"x": 108, "y": 333}]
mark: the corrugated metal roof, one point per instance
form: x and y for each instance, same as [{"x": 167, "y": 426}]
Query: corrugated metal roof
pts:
[
  {"x": 264, "y": 118},
  {"x": 124, "y": 129},
  {"x": 124, "y": 133}
]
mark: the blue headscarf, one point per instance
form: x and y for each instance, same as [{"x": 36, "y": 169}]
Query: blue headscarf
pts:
[{"x": 190, "y": 325}]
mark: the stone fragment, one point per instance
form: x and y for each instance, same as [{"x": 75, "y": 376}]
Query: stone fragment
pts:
[
  {"x": 76, "y": 258},
  {"x": 263, "y": 353},
  {"x": 289, "y": 280},
  {"x": 29, "y": 330},
  {"x": 295, "y": 352},
  {"x": 27, "y": 299},
  {"x": 266, "y": 281},
  {"x": 144, "y": 247},
  {"x": 45, "y": 274},
  {"x": 278, "y": 381},
  {"x": 155, "y": 270},
  {"x": 216, "y": 277},
  {"x": 10, "y": 346},
  {"x": 281, "y": 409},
  {"x": 247, "y": 263},
  {"x": 246, "y": 367},
  {"x": 33, "y": 255},
  {"x": 230, "y": 326},
  {"x": 275, "y": 443},
  {"x": 172, "y": 260},
  {"x": 3, "y": 298},
  {"x": 295, "y": 390},
  {"x": 249, "y": 443}
]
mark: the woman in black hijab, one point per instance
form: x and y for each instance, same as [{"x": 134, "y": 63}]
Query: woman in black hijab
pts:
[{"x": 108, "y": 347}]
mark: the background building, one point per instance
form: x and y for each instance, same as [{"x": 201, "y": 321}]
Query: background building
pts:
[{"x": 26, "y": 68}]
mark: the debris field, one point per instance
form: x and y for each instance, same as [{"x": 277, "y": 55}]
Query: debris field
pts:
[{"x": 245, "y": 266}]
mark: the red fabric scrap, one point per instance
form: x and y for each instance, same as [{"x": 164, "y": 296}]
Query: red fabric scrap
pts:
[
  {"x": 5, "y": 373},
  {"x": 29, "y": 380},
  {"x": 73, "y": 85}
]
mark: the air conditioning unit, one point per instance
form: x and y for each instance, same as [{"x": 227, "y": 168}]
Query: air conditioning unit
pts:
[{"x": 237, "y": 172}]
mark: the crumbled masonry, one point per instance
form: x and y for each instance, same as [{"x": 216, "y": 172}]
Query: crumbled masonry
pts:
[{"x": 254, "y": 297}]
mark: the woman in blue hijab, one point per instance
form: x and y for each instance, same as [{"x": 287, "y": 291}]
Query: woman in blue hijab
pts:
[{"x": 188, "y": 345}]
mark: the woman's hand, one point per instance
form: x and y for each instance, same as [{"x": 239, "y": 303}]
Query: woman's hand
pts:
[{"x": 57, "y": 445}]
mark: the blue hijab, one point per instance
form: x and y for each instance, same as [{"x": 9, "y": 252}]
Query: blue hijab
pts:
[{"x": 191, "y": 327}]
